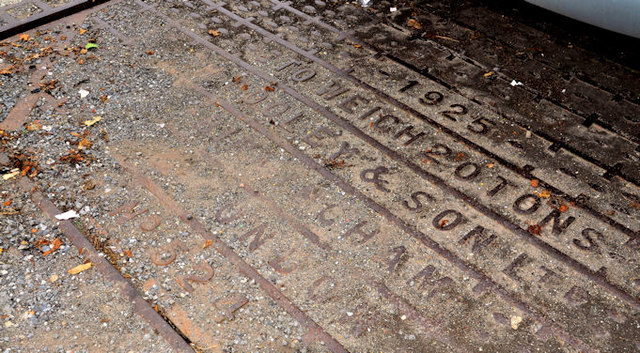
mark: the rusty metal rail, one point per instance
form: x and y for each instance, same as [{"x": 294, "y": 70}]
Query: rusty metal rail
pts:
[{"x": 45, "y": 13}]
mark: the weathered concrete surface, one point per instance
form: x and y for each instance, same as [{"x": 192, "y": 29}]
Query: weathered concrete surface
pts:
[{"x": 316, "y": 176}]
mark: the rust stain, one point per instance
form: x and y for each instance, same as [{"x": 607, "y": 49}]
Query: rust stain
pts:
[
  {"x": 203, "y": 339},
  {"x": 18, "y": 115}
]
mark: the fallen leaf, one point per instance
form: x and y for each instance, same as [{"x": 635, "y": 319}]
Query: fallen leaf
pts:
[
  {"x": 545, "y": 194},
  {"x": 7, "y": 70},
  {"x": 150, "y": 52},
  {"x": 80, "y": 268},
  {"x": 90, "y": 46},
  {"x": 333, "y": 164},
  {"x": 84, "y": 144},
  {"x": 490, "y": 165},
  {"x": 413, "y": 23},
  {"x": 214, "y": 33},
  {"x": 128, "y": 253},
  {"x": 244, "y": 87},
  {"x": 84, "y": 51},
  {"x": 55, "y": 245},
  {"x": 269, "y": 88},
  {"x": 90, "y": 184},
  {"x": 357, "y": 46},
  {"x": 563, "y": 208},
  {"x": 207, "y": 243},
  {"x": 25, "y": 170},
  {"x": 7, "y": 203},
  {"x": 53, "y": 278},
  {"x": 83, "y": 31},
  {"x": 534, "y": 229},
  {"x": 48, "y": 86},
  {"x": 490, "y": 73},
  {"x": 515, "y": 322},
  {"x": 534, "y": 183},
  {"x": 92, "y": 121},
  {"x": 11, "y": 174},
  {"x": 24, "y": 37},
  {"x": 34, "y": 126}
]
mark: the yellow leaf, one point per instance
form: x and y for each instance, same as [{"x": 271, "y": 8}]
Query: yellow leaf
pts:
[
  {"x": 515, "y": 322},
  {"x": 24, "y": 37},
  {"x": 84, "y": 143},
  {"x": 214, "y": 33},
  {"x": 7, "y": 70},
  {"x": 545, "y": 194},
  {"x": 13, "y": 173},
  {"x": 92, "y": 121},
  {"x": 80, "y": 268},
  {"x": 82, "y": 31}
]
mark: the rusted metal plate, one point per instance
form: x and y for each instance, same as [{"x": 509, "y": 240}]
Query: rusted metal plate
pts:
[
  {"x": 24, "y": 15},
  {"x": 275, "y": 182}
]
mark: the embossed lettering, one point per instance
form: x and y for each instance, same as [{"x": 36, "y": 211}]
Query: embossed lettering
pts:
[
  {"x": 442, "y": 221},
  {"x": 258, "y": 237},
  {"x": 558, "y": 225},
  {"x": 358, "y": 229},
  {"x": 275, "y": 110},
  {"x": 503, "y": 183},
  {"x": 331, "y": 91},
  {"x": 384, "y": 119},
  {"x": 323, "y": 219},
  {"x": 413, "y": 137},
  {"x": 303, "y": 75},
  {"x": 467, "y": 171},
  {"x": 588, "y": 243},
  {"x": 480, "y": 239},
  {"x": 344, "y": 150},
  {"x": 352, "y": 102},
  {"x": 416, "y": 200},
  {"x": 517, "y": 263},
  {"x": 398, "y": 253},
  {"x": 527, "y": 204},
  {"x": 373, "y": 176},
  {"x": 320, "y": 134}
]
